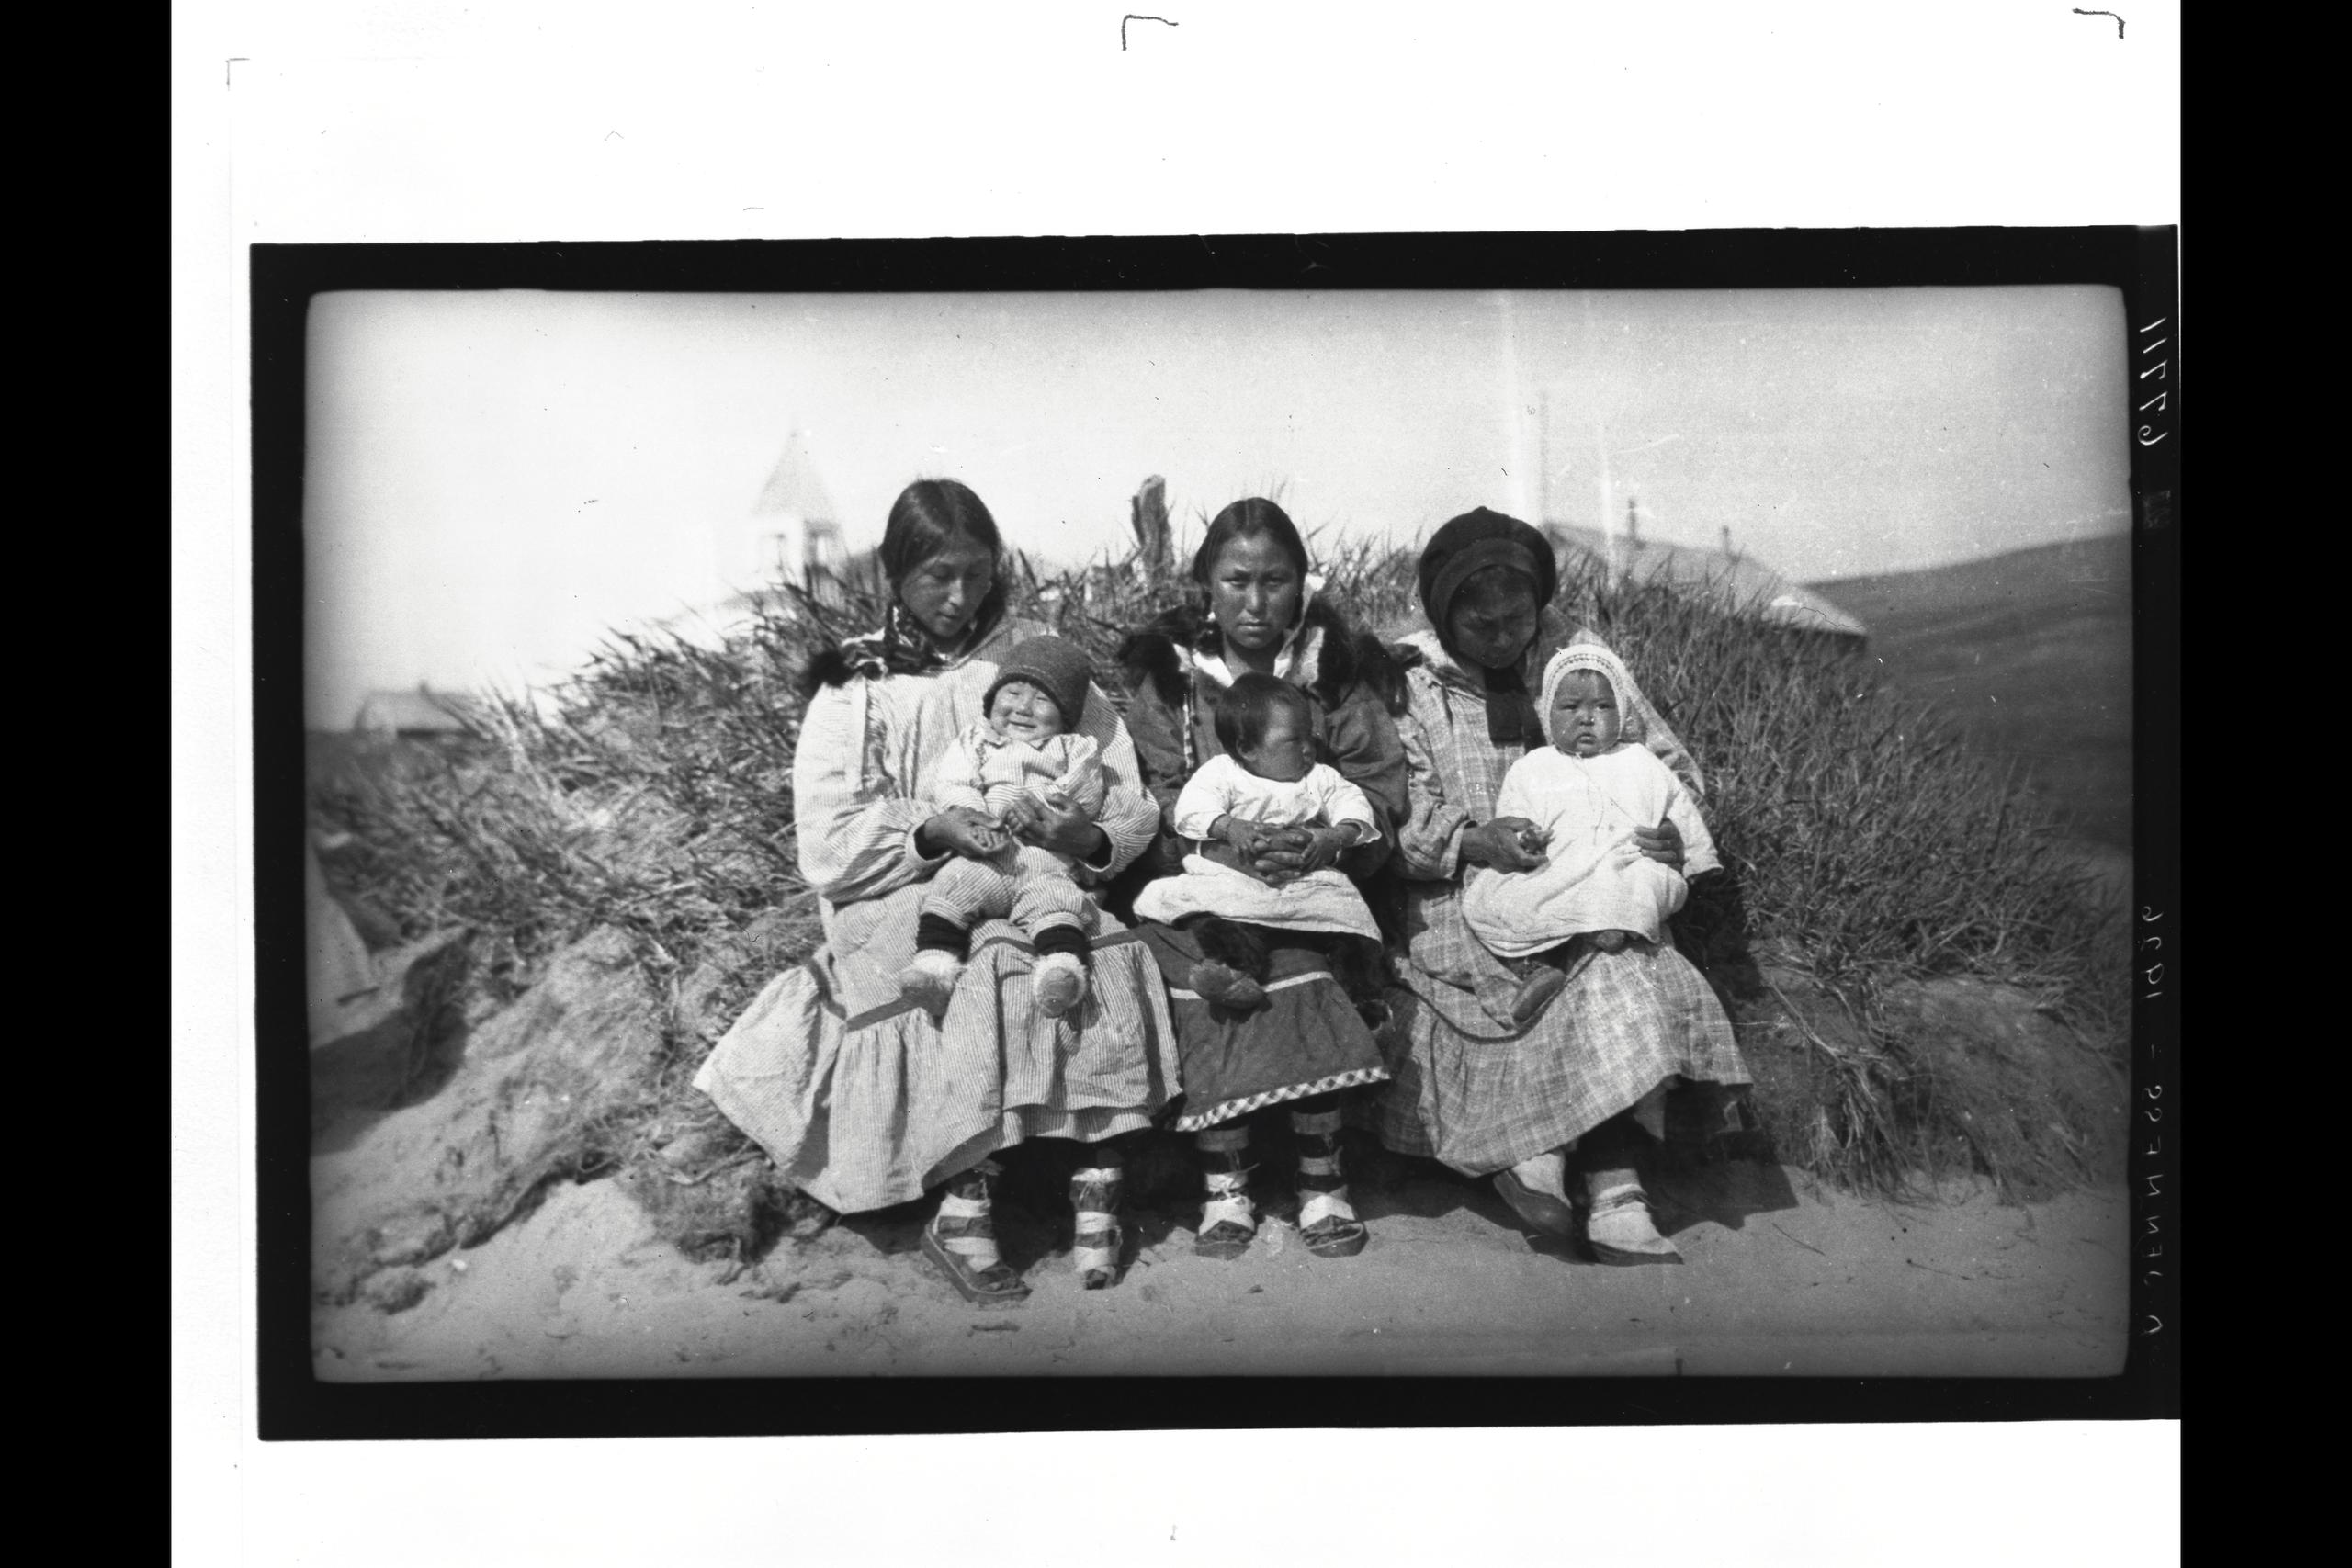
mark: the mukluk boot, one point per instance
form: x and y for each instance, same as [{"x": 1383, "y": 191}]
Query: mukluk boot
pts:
[
  {"x": 1619, "y": 1228},
  {"x": 1230, "y": 1219},
  {"x": 1326, "y": 1223},
  {"x": 960, "y": 1239},
  {"x": 930, "y": 980},
  {"x": 1094, "y": 1190}
]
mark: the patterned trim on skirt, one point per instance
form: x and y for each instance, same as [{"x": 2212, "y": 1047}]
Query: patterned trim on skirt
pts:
[{"x": 1306, "y": 1040}]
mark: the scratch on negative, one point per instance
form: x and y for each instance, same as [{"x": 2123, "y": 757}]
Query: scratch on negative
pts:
[
  {"x": 1135, "y": 16},
  {"x": 2119, "y": 21},
  {"x": 1799, "y": 1240}
]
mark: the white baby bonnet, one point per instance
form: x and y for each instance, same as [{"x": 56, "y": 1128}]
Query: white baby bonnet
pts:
[{"x": 1602, "y": 661}]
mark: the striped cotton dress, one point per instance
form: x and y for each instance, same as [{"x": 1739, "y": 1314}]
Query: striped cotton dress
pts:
[
  {"x": 862, "y": 1101},
  {"x": 1469, "y": 1087}
]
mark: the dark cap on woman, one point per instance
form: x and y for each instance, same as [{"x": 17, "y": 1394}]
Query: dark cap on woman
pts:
[{"x": 1469, "y": 543}]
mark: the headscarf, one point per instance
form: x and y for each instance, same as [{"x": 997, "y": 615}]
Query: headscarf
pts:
[
  {"x": 1465, "y": 546},
  {"x": 1605, "y": 663}
]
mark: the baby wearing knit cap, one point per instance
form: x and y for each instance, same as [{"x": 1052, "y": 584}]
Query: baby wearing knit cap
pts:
[
  {"x": 1022, "y": 748},
  {"x": 1587, "y": 792}
]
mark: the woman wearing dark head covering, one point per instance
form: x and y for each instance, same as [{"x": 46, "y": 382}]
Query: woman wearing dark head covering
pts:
[
  {"x": 863, "y": 1097},
  {"x": 1558, "y": 1108}
]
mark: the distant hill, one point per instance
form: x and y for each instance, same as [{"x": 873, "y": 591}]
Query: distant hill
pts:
[{"x": 2031, "y": 652}]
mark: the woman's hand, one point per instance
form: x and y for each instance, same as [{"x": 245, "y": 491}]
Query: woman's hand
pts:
[
  {"x": 1053, "y": 823},
  {"x": 1281, "y": 855},
  {"x": 961, "y": 830},
  {"x": 1505, "y": 844},
  {"x": 1662, "y": 843},
  {"x": 1225, "y": 854}
]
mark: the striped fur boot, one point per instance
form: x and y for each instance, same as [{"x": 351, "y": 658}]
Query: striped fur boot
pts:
[
  {"x": 1326, "y": 1223},
  {"x": 1228, "y": 1219},
  {"x": 960, "y": 1241},
  {"x": 1094, "y": 1190}
]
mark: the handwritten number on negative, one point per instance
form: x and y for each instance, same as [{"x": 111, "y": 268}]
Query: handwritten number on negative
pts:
[{"x": 2119, "y": 21}]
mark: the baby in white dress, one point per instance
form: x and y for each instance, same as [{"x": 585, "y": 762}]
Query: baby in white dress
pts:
[
  {"x": 1264, "y": 783},
  {"x": 1588, "y": 793},
  {"x": 1022, "y": 747}
]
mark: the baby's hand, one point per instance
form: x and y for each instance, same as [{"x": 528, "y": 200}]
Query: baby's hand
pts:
[
  {"x": 1248, "y": 839},
  {"x": 1021, "y": 815}
]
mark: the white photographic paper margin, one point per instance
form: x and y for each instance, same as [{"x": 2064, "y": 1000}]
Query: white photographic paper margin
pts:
[{"x": 450, "y": 122}]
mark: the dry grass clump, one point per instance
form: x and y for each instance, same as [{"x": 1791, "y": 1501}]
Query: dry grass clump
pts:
[
  {"x": 1869, "y": 851},
  {"x": 652, "y": 793}
]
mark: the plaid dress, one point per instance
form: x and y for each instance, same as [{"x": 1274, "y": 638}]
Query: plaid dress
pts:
[{"x": 1467, "y": 1087}]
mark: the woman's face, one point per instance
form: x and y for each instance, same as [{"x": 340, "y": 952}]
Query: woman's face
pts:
[
  {"x": 1493, "y": 618},
  {"x": 945, "y": 592},
  {"x": 1254, "y": 590}
]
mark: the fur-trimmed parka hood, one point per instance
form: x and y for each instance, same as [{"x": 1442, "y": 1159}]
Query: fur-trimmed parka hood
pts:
[{"x": 1342, "y": 657}]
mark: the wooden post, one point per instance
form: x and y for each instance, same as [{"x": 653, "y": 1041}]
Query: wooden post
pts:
[{"x": 1148, "y": 510}]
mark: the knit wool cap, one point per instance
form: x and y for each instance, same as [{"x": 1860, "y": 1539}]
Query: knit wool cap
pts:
[
  {"x": 1059, "y": 667},
  {"x": 1602, "y": 661}
]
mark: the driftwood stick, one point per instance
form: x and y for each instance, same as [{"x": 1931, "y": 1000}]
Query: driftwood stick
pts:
[{"x": 1148, "y": 510}]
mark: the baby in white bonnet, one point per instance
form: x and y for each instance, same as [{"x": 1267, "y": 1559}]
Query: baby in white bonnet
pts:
[{"x": 1588, "y": 793}]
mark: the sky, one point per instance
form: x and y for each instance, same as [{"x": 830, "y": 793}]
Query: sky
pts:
[{"x": 496, "y": 478}]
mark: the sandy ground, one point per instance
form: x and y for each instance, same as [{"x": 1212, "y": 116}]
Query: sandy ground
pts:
[{"x": 1782, "y": 1277}]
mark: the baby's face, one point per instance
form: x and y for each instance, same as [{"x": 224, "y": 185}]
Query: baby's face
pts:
[
  {"x": 1584, "y": 718},
  {"x": 1281, "y": 752},
  {"x": 1022, "y": 710}
]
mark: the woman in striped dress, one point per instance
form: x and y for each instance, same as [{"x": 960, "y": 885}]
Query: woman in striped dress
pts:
[
  {"x": 1562, "y": 1108},
  {"x": 1301, "y": 1045},
  {"x": 864, "y": 1099}
]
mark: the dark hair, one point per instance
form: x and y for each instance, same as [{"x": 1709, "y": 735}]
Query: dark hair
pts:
[
  {"x": 1251, "y": 519},
  {"x": 1244, "y": 708},
  {"x": 927, "y": 516}
]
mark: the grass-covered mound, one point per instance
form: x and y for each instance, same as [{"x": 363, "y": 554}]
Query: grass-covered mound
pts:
[{"x": 1894, "y": 914}]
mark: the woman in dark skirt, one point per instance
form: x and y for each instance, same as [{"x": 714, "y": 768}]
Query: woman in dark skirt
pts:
[{"x": 1303, "y": 1045}]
